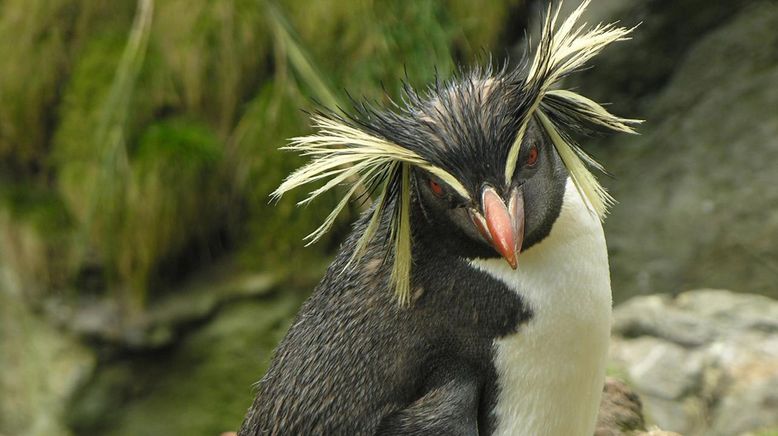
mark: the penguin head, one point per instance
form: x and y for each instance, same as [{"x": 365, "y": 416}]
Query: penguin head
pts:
[
  {"x": 487, "y": 153},
  {"x": 498, "y": 216}
]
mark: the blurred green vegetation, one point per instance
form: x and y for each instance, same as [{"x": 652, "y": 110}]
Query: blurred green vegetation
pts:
[{"x": 139, "y": 140}]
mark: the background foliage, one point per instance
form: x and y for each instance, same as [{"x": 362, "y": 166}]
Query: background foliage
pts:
[{"x": 144, "y": 135}]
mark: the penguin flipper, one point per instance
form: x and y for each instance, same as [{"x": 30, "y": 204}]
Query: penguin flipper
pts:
[{"x": 449, "y": 409}]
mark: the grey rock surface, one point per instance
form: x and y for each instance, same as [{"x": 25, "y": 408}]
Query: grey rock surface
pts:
[
  {"x": 717, "y": 377},
  {"x": 696, "y": 200},
  {"x": 160, "y": 325}
]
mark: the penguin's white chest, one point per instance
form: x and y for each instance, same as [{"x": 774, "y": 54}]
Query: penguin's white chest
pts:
[{"x": 551, "y": 372}]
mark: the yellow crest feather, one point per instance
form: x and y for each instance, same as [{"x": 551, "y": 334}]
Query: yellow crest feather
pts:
[
  {"x": 560, "y": 52},
  {"x": 344, "y": 155}
]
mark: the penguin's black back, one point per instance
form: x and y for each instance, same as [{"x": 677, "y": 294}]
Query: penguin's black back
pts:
[{"x": 354, "y": 357}]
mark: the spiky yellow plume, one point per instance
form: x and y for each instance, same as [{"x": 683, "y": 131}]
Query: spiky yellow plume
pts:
[
  {"x": 344, "y": 155},
  {"x": 560, "y": 52}
]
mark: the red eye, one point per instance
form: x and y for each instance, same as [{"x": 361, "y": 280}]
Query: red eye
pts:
[
  {"x": 436, "y": 188},
  {"x": 532, "y": 157}
]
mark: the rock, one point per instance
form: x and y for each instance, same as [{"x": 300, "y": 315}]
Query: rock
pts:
[
  {"x": 719, "y": 377},
  {"x": 697, "y": 204},
  {"x": 633, "y": 73},
  {"x": 199, "y": 385},
  {"x": 620, "y": 410},
  {"x": 663, "y": 369},
  {"x": 656, "y": 432},
  {"x": 752, "y": 400},
  {"x": 731, "y": 311},
  {"x": 652, "y": 316},
  {"x": 103, "y": 320},
  {"x": 40, "y": 369}
]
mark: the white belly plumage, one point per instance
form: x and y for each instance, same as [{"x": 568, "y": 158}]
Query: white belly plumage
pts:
[{"x": 551, "y": 372}]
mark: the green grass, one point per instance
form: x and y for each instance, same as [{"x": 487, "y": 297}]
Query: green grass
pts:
[{"x": 156, "y": 133}]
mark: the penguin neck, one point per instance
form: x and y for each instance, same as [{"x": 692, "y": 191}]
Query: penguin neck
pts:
[{"x": 551, "y": 372}]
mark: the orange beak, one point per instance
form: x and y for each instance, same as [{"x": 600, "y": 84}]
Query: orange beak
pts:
[{"x": 501, "y": 225}]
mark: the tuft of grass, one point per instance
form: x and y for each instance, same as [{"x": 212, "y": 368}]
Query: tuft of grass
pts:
[
  {"x": 175, "y": 201},
  {"x": 274, "y": 232},
  {"x": 35, "y": 239},
  {"x": 99, "y": 179},
  {"x": 42, "y": 40},
  {"x": 35, "y": 35},
  {"x": 213, "y": 56}
]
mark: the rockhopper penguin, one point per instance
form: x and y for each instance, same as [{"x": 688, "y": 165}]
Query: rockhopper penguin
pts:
[{"x": 473, "y": 298}]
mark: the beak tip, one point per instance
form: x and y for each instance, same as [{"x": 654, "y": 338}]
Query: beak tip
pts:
[{"x": 512, "y": 262}]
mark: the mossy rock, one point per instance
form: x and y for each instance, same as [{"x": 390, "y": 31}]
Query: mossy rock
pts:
[
  {"x": 201, "y": 386},
  {"x": 42, "y": 367}
]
